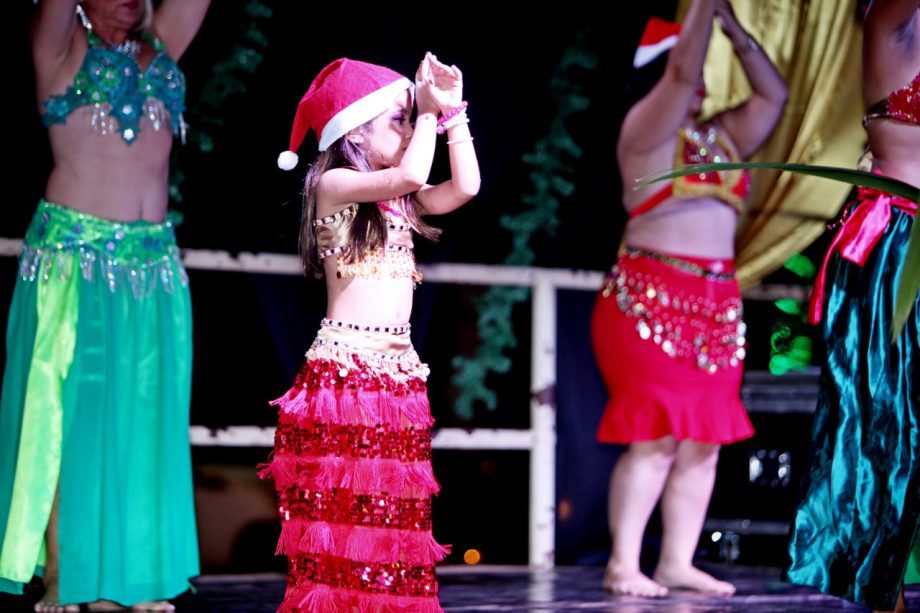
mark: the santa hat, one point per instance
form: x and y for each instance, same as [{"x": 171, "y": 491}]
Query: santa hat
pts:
[
  {"x": 659, "y": 36},
  {"x": 344, "y": 95}
]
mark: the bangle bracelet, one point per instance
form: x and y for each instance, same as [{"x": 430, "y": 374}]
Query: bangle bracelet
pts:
[
  {"x": 453, "y": 123},
  {"x": 452, "y": 118},
  {"x": 454, "y": 111},
  {"x": 468, "y": 139}
]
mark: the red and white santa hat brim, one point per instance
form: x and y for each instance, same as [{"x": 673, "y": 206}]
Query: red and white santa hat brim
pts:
[
  {"x": 345, "y": 95},
  {"x": 659, "y": 37}
]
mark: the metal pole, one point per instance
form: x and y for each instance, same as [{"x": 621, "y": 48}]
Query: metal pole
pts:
[{"x": 543, "y": 426}]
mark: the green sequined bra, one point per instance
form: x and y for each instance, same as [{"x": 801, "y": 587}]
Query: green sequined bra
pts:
[{"x": 120, "y": 93}]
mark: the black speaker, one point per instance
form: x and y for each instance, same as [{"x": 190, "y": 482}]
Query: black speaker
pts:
[{"x": 757, "y": 482}]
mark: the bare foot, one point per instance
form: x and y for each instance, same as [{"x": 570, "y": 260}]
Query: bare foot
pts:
[
  {"x": 632, "y": 583},
  {"x": 157, "y": 605},
  {"x": 49, "y": 602},
  {"x": 52, "y": 606},
  {"x": 692, "y": 579}
]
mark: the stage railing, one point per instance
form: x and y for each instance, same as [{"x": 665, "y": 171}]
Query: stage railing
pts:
[{"x": 539, "y": 439}]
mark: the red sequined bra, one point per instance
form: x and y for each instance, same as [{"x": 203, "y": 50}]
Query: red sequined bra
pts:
[
  {"x": 901, "y": 105},
  {"x": 696, "y": 147}
]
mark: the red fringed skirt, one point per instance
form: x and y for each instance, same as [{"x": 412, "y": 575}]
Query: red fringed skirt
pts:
[
  {"x": 352, "y": 468},
  {"x": 669, "y": 341}
]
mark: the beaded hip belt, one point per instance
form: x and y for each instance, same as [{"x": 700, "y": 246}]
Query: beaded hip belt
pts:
[{"x": 683, "y": 325}]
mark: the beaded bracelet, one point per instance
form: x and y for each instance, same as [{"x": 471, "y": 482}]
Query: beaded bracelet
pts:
[
  {"x": 453, "y": 123},
  {"x": 468, "y": 139},
  {"x": 448, "y": 120}
]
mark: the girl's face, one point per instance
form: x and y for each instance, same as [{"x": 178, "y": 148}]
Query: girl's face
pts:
[{"x": 389, "y": 133}]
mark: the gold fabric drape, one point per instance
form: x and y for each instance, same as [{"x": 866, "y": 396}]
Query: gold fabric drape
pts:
[{"x": 816, "y": 44}]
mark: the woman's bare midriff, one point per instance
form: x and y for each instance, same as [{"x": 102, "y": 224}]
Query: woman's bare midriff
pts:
[
  {"x": 895, "y": 149},
  {"x": 695, "y": 227},
  {"x": 104, "y": 176}
]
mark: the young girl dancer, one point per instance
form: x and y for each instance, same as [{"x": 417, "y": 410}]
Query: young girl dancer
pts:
[{"x": 352, "y": 457}]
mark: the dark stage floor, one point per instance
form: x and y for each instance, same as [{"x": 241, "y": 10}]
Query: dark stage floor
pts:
[
  {"x": 508, "y": 588},
  {"x": 565, "y": 589}
]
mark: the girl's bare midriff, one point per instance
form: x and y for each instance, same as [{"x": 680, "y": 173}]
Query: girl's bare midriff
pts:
[{"x": 367, "y": 301}]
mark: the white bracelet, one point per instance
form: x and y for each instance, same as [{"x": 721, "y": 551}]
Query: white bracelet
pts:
[
  {"x": 468, "y": 139},
  {"x": 456, "y": 121}
]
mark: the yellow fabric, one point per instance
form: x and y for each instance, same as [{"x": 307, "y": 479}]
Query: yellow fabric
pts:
[
  {"x": 38, "y": 465},
  {"x": 816, "y": 46}
]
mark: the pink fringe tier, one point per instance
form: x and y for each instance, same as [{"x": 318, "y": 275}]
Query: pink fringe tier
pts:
[{"x": 352, "y": 468}]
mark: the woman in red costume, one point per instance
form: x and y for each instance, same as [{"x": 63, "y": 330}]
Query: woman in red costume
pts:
[{"x": 667, "y": 328}]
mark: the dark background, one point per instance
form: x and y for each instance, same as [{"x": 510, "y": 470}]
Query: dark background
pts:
[{"x": 251, "y": 330}]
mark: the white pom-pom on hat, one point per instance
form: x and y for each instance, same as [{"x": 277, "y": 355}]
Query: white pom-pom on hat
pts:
[{"x": 287, "y": 160}]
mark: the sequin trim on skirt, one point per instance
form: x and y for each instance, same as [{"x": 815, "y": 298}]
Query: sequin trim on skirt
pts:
[{"x": 352, "y": 469}]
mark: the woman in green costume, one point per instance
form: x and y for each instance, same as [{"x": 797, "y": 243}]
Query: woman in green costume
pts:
[
  {"x": 95, "y": 472},
  {"x": 855, "y": 530}
]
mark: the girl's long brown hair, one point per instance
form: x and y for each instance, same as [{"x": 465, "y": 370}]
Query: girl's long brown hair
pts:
[{"x": 369, "y": 229}]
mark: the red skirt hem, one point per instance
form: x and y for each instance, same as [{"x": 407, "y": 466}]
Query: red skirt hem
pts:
[{"x": 654, "y": 394}]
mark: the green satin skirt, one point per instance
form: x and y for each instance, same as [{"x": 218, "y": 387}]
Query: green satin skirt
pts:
[
  {"x": 856, "y": 523},
  {"x": 95, "y": 407}
]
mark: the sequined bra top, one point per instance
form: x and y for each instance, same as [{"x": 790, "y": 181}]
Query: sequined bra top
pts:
[
  {"x": 696, "y": 147},
  {"x": 394, "y": 261},
  {"x": 901, "y": 105},
  {"x": 120, "y": 92}
]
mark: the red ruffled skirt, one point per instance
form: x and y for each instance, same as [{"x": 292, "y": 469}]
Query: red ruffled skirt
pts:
[
  {"x": 669, "y": 341},
  {"x": 352, "y": 468}
]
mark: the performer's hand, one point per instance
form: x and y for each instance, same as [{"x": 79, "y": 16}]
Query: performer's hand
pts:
[
  {"x": 447, "y": 84},
  {"x": 727, "y": 20},
  {"x": 424, "y": 101}
]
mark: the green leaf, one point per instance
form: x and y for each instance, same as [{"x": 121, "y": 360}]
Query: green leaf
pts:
[
  {"x": 801, "y": 343},
  {"x": 909, "y": 287},
  {"x": 206, "y": 143},
  {"x": 801, "y": 265},
  {"x": 789, "y": 306},
  {"x": 844, "y": 175},
  {"x": 258, "y": 10},
  {"x": 778, "y": 339},
  {"x": 779, "y": 365},
  {"x": 254, "y": 34},
  {"x": 549, "y": 164},
  {"x": 224, "y": 81}
]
